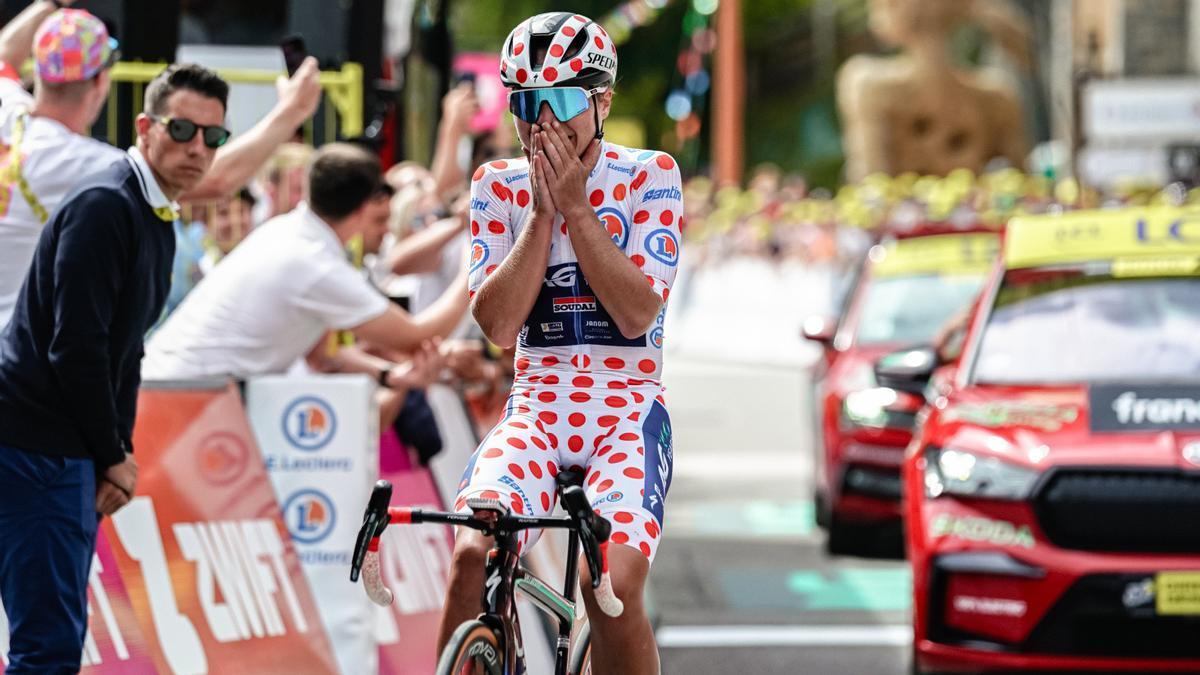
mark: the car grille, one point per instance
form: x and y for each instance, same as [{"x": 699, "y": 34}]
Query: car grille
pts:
[{"x": 1121, "y": 510}]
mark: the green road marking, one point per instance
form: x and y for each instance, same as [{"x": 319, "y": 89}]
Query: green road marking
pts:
[
  {"x": 855, "y": 589},
  {"x": 760, "y": 518},
  {"x": 872, "y": 590}
]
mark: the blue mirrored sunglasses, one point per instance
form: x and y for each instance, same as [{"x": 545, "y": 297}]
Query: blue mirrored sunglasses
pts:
[{"x": 565, "y": 102}]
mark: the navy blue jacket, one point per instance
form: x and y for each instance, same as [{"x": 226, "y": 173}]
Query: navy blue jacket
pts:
[{"x": 70, "y": 357}]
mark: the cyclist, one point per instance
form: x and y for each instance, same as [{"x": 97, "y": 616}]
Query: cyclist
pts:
[{"x": 574, "y": 249}]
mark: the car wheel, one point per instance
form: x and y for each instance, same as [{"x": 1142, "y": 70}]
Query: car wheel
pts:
[{"x": 821, "y": 509}]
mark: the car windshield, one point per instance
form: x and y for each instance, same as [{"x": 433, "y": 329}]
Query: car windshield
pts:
[
  {"x": 911, "y": 309},
  {"x": 1069, "y": 326}
]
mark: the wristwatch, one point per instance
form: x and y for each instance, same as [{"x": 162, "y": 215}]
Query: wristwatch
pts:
[{"x": 382, "y": 378}]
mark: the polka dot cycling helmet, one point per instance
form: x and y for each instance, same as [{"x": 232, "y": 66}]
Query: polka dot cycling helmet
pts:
[{"x": 574, "y": 51}]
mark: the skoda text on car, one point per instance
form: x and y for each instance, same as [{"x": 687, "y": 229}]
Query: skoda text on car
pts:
[
  {"x": 1052, "y": 495},
  {"x": 906, "y": 292}
]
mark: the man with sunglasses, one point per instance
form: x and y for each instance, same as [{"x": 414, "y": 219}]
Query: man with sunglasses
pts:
[
  {"x": 575, "y": 248},
  {"x": 70, "y": 362}
]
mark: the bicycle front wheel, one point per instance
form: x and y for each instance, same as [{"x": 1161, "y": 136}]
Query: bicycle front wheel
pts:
[
  {"x": 581, "y": 658},
  {"x": 472, "y": 650}
]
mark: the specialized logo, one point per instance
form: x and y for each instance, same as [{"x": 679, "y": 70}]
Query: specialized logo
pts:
[
  {"x": 606, "y": 62},
  {"x": 563, "y": 277},
  {"x": 986, "y": 530},
  {"x": 662, "y": 193},
  {"x": 618, "y": 227},
  {"x": 662, "y": 245},
  {"x": 581, "y": 304},
  {"x": 309, "y": 423},
  {"x": 310, "y": 516},
  {"x": 479, "y": 254},
  {"x": 223, "y": 458}
]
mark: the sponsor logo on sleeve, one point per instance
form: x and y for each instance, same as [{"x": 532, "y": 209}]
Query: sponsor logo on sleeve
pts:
[
  {"x": 621, "y": 169},
  {"x": 662, "y": 245},
  {"x": 516, "y": 177},
  {"x": 662, "y": 193},
  {"x": 1118, "y": 407},
  {"x": 478, "y": 205},
  {"x": 479, "y": 254},
  {"x": 615, "y": 222}
]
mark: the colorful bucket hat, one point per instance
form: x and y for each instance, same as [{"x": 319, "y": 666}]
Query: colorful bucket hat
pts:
[{"x": 72, "y": 45}]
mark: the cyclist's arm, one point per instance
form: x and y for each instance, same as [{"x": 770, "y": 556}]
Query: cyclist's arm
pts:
[
  {"x": 505, "y": 299},
  {"x": 506, "y": 270}
]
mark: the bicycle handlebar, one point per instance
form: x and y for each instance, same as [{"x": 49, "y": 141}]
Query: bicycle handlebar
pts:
[{"x": 593, "y": 529}]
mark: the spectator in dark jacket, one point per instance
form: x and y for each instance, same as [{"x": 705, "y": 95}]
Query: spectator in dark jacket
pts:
[{"x": 70, "y": 364}]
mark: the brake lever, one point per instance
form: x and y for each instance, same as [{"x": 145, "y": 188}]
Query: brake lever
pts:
[{"x": 375, "y": 521}]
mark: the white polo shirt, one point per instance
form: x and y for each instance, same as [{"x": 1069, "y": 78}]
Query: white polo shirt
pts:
[
  {"x": 52, "y": 159},
  {"x": 265, "y": 306}
]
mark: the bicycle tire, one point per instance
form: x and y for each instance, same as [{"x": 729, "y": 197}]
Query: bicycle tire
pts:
[
  {"x": 473, "y": 642},
  {"x": 581, "y": 655}
]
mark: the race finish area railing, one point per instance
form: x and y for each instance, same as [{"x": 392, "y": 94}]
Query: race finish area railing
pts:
[{"x": 340, "y": 114}]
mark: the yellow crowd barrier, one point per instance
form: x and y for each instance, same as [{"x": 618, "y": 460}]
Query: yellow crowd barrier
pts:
[{"x": 342, "y": 109}]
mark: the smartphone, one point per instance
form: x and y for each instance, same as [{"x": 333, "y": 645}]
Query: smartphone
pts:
[
  {"x": 294, "y": 52},
  {"x": 464, "y": 77}
]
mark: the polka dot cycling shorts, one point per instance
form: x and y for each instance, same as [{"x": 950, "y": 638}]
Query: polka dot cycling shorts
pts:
[{"x": 612, "y": 429}]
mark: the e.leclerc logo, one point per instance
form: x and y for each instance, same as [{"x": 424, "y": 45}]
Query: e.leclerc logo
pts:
[
  {"x": 309, "y": 423},
  {"x": 614, "y": 221},
  {"x": 309, "y": 515},
  {"x": 662, "y": 245},
  {"x": 479, "y": 254}
]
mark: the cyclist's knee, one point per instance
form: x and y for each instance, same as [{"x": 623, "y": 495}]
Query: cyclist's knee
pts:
[
  {"x": 628, "y": 568},
  {"x": 470, "y": 551}
]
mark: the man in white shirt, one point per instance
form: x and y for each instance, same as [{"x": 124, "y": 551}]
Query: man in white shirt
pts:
[
  {"x": 44, "y": 148},
  {"x": 277, "y": 295}
]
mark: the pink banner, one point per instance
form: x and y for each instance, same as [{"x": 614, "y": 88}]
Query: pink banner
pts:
[{"x": 416, "y": 565}]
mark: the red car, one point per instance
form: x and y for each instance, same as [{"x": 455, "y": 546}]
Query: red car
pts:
[
  {"x": 1052, "y": 494},
  {"x": 906, "y": 291}
]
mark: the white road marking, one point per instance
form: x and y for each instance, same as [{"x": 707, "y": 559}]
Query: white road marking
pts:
[{"x": 782, "y": 636}]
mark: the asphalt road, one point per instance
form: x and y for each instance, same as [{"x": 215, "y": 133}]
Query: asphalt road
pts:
[{"x": 741, "y": 583}]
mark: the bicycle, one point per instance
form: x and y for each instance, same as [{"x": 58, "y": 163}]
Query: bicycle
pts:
[{"x": 491, "y": 643}]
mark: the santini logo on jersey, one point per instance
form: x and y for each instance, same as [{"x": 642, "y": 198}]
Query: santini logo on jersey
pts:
[
  {"x": 581, "y": 304},
  {"x": 662, "y": 193},
  {"x": 478, "y": 205}
]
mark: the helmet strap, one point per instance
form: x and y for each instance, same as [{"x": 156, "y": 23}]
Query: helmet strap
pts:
[{"x": 596, "y": 115}]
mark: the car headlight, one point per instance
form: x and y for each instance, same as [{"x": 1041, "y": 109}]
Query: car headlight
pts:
[
  {"x": 957, "y": 472},
  {"x": 868, "y": 407}
]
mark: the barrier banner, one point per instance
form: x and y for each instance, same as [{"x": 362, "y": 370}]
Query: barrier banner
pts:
[
  {"x": 202, "y": 551},
  {"x": 319, "y": 440},
  {"x": 415, "y": 561}
]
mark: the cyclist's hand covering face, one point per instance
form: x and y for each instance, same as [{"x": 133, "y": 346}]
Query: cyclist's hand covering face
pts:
[{"x": 564, "y": 171}]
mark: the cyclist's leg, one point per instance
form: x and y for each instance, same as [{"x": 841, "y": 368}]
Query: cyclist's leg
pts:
[
  {"x": 627, "y": 482},
  {"x": 515, "y": 464}
]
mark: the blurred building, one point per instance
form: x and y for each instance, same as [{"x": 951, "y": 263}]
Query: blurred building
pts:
[{"x": 1132, "y": 68}]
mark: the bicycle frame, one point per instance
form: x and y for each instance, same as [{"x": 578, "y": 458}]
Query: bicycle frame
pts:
[{"x": 504, "y": 577}]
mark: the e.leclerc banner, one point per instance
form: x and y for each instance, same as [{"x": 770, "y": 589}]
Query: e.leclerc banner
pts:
[{"x": 319, "y": 440}]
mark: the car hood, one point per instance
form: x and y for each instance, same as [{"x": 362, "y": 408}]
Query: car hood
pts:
[{"x": 1048, "y": 426}]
